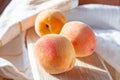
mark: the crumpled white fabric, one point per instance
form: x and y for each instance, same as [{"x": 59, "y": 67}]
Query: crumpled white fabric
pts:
[
  {"x": 15, "y": 52},
  {"x": 14, "y": 62},
  {"x": 8, "y": 70},
  {"x": 105, "y": 21},
  {"x": 108, "y": 46}
]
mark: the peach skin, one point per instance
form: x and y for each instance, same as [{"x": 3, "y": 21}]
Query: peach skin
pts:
[
  {"x": 49, "y": 21},
  {"x": 55, "y": 53},
  {"x": 81, "y": 36}
]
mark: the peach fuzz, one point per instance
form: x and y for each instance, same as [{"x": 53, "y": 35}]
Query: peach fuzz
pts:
[
  {"x": 55, "y": 53},
  {"x": 81, "y": 36},
  {"x": 49, "y": 21}
]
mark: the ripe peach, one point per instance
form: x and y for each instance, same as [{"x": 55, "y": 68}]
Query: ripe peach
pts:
[
  {"x": 49, "y": 21},
  {"x": 81, "y": 36},
  {"x": 55, "y": 53}
]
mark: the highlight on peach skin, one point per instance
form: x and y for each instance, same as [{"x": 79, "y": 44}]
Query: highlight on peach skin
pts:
[
  {"x": 49, "y": 21},
  {"x": 55, "y": 53},
  {"x": 81, "y": 36}
]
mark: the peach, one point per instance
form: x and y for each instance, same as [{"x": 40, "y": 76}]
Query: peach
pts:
[
  {"x": 81, "y": 36},
  {"x": 55, "y": 53},
  {"x": 49, "y": 21}
]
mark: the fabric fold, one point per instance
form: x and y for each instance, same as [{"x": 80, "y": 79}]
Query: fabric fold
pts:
[
  {"x": 8, "y": 70},
  {"x": 105, "y": 21}
]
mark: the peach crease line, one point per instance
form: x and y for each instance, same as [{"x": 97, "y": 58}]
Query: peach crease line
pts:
[
  {"x": 20, "y": 26},
  {"x": 0, "y": 42}
]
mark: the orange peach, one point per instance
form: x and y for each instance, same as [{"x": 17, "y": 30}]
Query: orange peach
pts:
[
  {"x": 81, "y": 36},
  {"x": 49, "y": 21},
  {"x": 55, "y": 53}
]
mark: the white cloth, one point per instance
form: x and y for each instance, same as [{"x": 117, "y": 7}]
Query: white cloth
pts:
[
  {"x": 104, "y": 19},
  {"x": 14, "y": 52},
  {"x": 14, "y": 62},
  {"x": 8, "y": 70}
]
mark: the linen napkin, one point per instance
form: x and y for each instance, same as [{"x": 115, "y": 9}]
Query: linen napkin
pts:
[
  {"x": 17, "y": 18},
  {"x": 21, "y": 14},
  {"x": 105, "y": 21},
  {"x": 14, "y": 62},
  {"x": 8, "y": 70}
]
